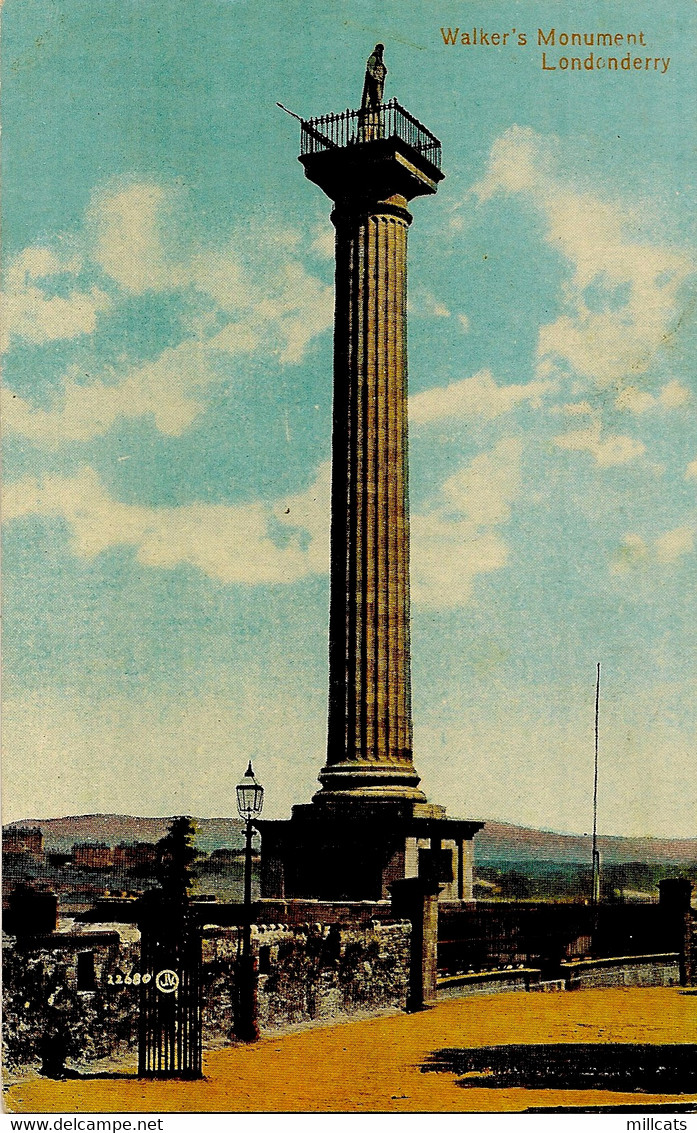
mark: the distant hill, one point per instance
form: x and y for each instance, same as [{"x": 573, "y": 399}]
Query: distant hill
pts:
[
  {"x": 60, "y": 833},
  {"x": 498, "y": 841},
  {"x": 506, "y": 842}
]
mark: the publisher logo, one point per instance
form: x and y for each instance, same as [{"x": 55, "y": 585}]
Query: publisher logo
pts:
[{"x": 166, "y": 981}]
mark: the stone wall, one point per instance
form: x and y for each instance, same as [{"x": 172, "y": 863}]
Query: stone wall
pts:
[
  {"x": 489, "y": 983},
  {"x": 624, "y": 971},
  {"x": 307, "y": 973},
  {"x": 42, "y": 998}
]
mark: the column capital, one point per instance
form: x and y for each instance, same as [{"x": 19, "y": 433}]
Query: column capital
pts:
[{"x": 352, "y": 210}]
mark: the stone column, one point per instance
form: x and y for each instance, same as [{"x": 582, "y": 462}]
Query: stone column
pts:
[
  {"x": 370, "y": 727},
  {"x": 371, "y": 181},
  {"x": 465, "y": 870}
]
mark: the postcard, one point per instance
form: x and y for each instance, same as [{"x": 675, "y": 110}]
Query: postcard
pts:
[{"x": 350, "y": 457}]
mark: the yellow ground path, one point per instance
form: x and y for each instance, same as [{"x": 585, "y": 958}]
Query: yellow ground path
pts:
[{"x": 373, "y": 1065}]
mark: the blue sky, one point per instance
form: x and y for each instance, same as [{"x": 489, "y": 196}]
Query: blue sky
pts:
[{"x": 168, "y": 293}]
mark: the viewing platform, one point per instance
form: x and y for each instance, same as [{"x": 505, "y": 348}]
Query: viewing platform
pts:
[
  {"x": 384, "y": 146},
  {"x": 357, "y": 127}
]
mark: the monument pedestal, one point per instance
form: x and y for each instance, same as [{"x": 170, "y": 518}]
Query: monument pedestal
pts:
[{"x": 355, "y": 851}]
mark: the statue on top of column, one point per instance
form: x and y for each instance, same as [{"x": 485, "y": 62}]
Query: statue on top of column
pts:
[
  {"x": 374, "y": 85},
  {"x": 371, "y": 116}
]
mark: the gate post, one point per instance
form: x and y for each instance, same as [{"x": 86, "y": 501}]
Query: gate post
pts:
[
  {"x": 416, "y": 899},
  {"x": 675, "y": 899},
  {"x": 247, "y": 990}
]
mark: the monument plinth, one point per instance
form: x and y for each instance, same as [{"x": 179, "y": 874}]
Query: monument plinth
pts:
[{"x": 369, "y": 824}]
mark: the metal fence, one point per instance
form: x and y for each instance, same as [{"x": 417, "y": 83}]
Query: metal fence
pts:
[
  {"x": 541, "y": 935},
  {"x": 354, "y": 127}
]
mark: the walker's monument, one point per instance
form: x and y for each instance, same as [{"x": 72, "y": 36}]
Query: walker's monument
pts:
[{"x": 369, "y": 824}]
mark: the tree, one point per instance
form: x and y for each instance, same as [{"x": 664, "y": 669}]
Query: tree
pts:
[{"x": 176, "y": 858}]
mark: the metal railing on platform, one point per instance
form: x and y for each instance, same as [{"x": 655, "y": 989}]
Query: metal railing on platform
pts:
[{"x": 354, "y": 127}]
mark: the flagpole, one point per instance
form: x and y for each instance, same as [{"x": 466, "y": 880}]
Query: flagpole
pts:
[{"x": 595, "y": 895}]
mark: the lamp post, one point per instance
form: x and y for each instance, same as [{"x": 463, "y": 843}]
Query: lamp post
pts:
[{"x": 250, "y": 800}]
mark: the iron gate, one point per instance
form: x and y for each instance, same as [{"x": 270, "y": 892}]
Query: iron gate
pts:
[{"x": 170, "y": 1040}]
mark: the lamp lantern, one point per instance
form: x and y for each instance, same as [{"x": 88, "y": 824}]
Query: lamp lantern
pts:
[{"x": 250, "y": 795}]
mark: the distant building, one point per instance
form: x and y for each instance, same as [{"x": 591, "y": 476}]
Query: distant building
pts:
[
  {"x": 223, "y": 856},
  {"x": 138, "y": 856},
  {"x": 93, "y": 855},
  {"x": 23, "y": 840}
]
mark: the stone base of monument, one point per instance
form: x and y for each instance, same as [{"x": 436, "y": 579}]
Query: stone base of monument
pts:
[{"x": 354, "y": 850}]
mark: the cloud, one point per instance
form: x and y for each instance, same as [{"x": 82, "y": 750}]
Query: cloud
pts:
[
  {"x": 260, "y": 280},
  {"x": 309, "y": 512},
  {"x": 285, "y": 540},
  {"x": 303, "y": 310},
  {"x": 608, "y": 451},
  {"x": 447, "y": 555},
  {"x": 514, "y": 164},
  {"x": 31, "y": 313},
  {"x": 424, "y": 303},
  {"x": 264, "y": 294},
  {"x": 621, "y": 300},
  {"x": 691, "y": 470},
  {"x": 170, "y": 390},
  {"x": 260, "y": 300},
  {"x": 484, "y": 489},
  {"x": 674, "y": 395},
  {"x": 674, "y": 544},
  {"x": 129, "y": 229},
  {"x": 634, "y": 552},
  {"x": 454, "y": 540},
  {"x": 251, "y": 544},
  {"x": 574, "y": 409},
  {"x": 324, "y": 241},
  {"x": 478, "y": 396}
]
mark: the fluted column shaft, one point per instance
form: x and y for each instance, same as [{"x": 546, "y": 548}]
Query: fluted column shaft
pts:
[{"x": 370, "y": 725}]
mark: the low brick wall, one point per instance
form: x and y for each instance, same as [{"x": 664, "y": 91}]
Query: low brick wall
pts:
[
  {"x": 488, "y": 983},
  {"x": 659, "y": 970}
]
